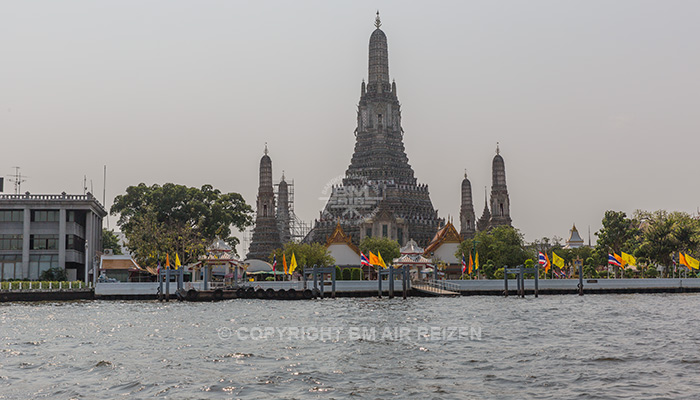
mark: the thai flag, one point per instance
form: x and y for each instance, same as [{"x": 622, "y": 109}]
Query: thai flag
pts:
[
  {"x": 613, "y": 261},
  {"x": 364, "y": 260},
  {"x": 464, "y": 264},
  {"x": 542, "y": 260},
  {"x": 274, "y": 263}
]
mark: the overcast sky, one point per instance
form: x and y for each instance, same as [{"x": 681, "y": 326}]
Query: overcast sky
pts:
[{"x": 596, "y": 104}]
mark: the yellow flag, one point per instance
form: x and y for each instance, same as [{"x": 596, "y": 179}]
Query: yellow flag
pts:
[
  {"x": 381, "y": 260},
  {"x": 476, "y": 262},
  {"x": 373, "y": 259},
  {"x": 177, "y": 261},
  {"x": 292, "y": 264},
  {"x": 628, "y": 259},
  {"x": 558, "y": 261},
  {"x": 284, "y": 262},
  {"x": 691, "y": 262}
]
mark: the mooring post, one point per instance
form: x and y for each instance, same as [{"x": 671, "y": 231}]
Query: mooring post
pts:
[
  {"x": 303, "y": 275},
  {"x": 205, "y": 277},
  {"x": 580, "y": 280},
  {"x": 160, "y": 285},
  {"x": 537, "y": 280},
  {"x": 333, "y": 283},
  {"x": 517, "y": 280},
  {"x": 505, "y": 280},
  {"x": 379, "y": 279},
  {"x": 391, "y": 281},
  {"x": 522, "y": 281},
  {"x": 315, "y": 278},
  {"x": 403, "y": 281},
  {"x": 167, "y": 284}
]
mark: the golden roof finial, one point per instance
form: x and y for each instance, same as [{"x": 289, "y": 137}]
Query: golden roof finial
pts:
[
  {"x": 498, "y": 150},
  {"x": 265, "y": 148},
  {"x": 377, "y": 21}
]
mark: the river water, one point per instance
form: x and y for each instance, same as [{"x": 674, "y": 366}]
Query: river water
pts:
[{"x": 553, "y": 347}]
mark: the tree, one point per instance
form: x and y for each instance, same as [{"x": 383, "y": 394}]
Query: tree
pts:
[
  {"x": 111, "y": 241},
  {"x": 388, "y": 248},
  {"x": 53, "y": 274},
  {"x": 503, "y": 246},
  {"x": 169, "y": 219},
  {"x": 305, "y": 255},
  {"x": 616, "y": 231}
]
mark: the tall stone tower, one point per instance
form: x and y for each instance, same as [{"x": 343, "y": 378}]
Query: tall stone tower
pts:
[
  {"x": 500, "y": 203},
  {"x": 379, "y": 195},
  {"x": 467, "y": 217},
  {"x": 483, "y": 223},
  {"x": 283, "y": 211},
  {"x": 266, "y": 236}
]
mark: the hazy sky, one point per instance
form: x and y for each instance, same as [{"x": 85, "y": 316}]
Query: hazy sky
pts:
[{"x": 596, "y": 104}]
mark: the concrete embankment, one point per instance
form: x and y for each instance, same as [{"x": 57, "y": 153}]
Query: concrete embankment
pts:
[
  {"x": 46, "y": 295},
  {"x": 149, "y": 290}
]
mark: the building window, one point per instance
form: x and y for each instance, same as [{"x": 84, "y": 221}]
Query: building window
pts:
[
  {"x": 385, "y": 231},
  {"x": 43, "y": 242},
  {"x": 502, "y": 213},
  {"x": 379, "y": 119},
  {"x": 45, "y": 216},
  {"x": 399, "y": 235},
  {"x": 11, "y": 215},
  {"x": 76, "y": 216},
  {"x": 10, "y": 242},
  {"x": 368, "y": 232},
  {"x": 11, "y": 266},
  {"x": 75, "y": 243},
  {"x": 40, "y": 263}
]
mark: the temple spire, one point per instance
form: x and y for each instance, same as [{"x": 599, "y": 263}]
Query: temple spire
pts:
[{"x": 378, "y": 58}]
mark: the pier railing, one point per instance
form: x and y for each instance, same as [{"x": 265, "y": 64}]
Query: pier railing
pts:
[
  {"x": 44, "y": 285},
  {"x": 443, "y": 285}
]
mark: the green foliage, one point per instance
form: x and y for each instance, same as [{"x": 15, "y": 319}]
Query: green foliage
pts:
[
  {"x": 110, "y": 241},
  {"x": 270, "y": 278},
  {"x": 590, "y": 272},
  {"x": 388, "y": 248},
  {"x": 169, "y": 219},
  {"x": 306, "y": 255},
  {"x": 501, "y": 246},
  {"x": 53, "y": 274},
  {"x": 616, "y": 231},
  {"x": 347, "y": 274},
  {"x": 338, "y": 273},
  {"x": 650, "y": 272},
  {"x": 356, "y": 274}
]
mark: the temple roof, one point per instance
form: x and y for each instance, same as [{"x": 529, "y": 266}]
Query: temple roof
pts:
[
  {"x": 574, "y": 236},
  {"x": 412, "y": 248},
  {"x": 411, "y": 259},
  {"x": 447, "y": 234},
  {"x": 340, "y": 237}
]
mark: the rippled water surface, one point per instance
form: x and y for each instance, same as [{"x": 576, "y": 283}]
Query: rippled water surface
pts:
[{"x": 596, "y": 346}]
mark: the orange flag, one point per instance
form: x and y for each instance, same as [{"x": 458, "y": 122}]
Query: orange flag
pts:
[
  {"x": 284, "y": 262},
  {"x": 548, "y": 265},
  {"x": 471, "y": 263},
  {"x": 682, "y": 260},
  {"x": 167, "y": 260}
]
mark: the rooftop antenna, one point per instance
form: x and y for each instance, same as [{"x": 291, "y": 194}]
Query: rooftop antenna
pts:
[
  {"x": 17, "y": 179},
  {"x": 84, "y": 184},
  {"x": 589, "y": 236}
]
